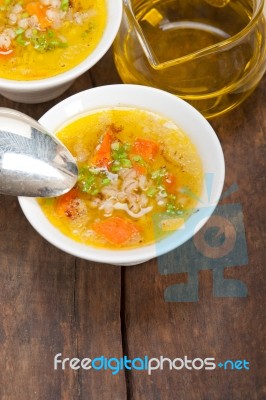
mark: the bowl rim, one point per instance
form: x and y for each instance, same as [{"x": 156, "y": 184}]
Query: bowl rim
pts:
[
  {"x": 114, "y": 17},
  {"x": 144, "y": 253}
]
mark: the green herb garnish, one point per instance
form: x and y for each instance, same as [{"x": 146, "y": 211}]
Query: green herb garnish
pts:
[
  {"x": 125, "y": 163},
  {"x": 120, "y": 156},
  {"x": 20, "y": 40},
  {"x": 91, "y": 180},
  {"x": 46, "y": 41},
  {"x": 64, "y": 5},
  {"x": 151, "y": 192},
  {"x": 19, "y": 31}
]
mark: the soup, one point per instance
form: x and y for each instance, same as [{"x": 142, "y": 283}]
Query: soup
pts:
[
  {"x": 134, "y": 166},
  {"x": 43, "y": 38}
]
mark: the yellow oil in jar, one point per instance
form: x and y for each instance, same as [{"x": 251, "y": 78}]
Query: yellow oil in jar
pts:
[{"x": 188, "y": 41}]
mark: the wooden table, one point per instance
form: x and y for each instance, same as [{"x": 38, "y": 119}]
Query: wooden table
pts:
[{"x": 51, "y": 302}]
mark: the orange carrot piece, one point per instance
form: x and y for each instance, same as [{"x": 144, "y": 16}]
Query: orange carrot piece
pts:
[
  {"x": 148, "y": 149},
  {"x": 65, "y": 204},
  {"x": 6, "y": 53},
  {"x": 140, "y": 169},
  {"x": 170, "y": 183},
  {"x": 116, "y": 230},
  {"x": 38, "y": 9},
  {"x": 102, "y": 157}
]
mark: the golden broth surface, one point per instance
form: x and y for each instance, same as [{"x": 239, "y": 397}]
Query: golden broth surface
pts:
[
  {"x": 165, "y": 160},
  {"x": 49, "y": 51}
]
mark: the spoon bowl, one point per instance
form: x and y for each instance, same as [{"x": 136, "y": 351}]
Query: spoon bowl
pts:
[{"x": 33, "y": 163}]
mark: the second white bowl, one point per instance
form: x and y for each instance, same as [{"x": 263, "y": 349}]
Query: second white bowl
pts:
[{"x": 38, "y": 91}]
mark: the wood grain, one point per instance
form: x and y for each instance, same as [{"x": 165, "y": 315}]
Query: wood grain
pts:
[
  {"x": 52, "y": 303},
  {"x": 224, "y": 328}
]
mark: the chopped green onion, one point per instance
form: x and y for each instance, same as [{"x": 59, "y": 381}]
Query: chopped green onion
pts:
[
  {"x": 44, "y": 43},
  {"x": 19, "y": 31},
  {"x": 50, "y": 33},
  {"x": 151, "y": 192},
  {"x": 106, "y": 181},
  {"x": 40, "y": 43},
  {"x": 64, "y": 5},
  {"x": 21, "y": 41},
  {"x": 174, "y": 209},
  {"x": 172, "y": 197},
  {"x": 122, "y": 155},
  {"x": 126, "y": 163},
  {"x": 92, "y": 180},
  {"x": 137, "y": 158},
  {"x": 115, "y": 155},
  {"x": 57, "y": 43},
  {"x": 119, "y": 151},
  {"x": 171, "y": 208},
  {"x": 115, "y": 168},
  {"x": 158, "y": 173}
]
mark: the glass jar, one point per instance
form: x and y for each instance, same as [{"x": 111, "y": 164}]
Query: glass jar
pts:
[{"x": 211, "y": 56}]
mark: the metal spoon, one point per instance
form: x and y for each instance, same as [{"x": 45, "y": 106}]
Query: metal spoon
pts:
[{"x": 33, "y": 163}]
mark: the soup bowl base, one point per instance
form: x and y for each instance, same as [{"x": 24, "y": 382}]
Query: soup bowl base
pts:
[
  {"x": 39, "y": 96},
  {"x": 131, "y": 264}
]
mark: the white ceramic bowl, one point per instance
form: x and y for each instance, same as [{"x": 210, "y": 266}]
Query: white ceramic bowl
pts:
[
  {"x": 170, "y": 107},
  {"x": 38, "y": 91}
]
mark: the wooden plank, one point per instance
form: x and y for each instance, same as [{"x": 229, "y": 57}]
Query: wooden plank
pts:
[
  {"x": 36, "y": 308},
  {"x": 224, "y": 328},
  {"x": 49, "y": 305},
  {"x": 99, "y": 329},
  {"x": 104, "y": 72},
  {"x": 52, "y": 303}
]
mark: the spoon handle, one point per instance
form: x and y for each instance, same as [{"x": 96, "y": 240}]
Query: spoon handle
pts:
[{"x": 33, "y": 163}]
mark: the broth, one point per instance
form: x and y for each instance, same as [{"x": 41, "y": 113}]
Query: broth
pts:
[{"x": 133, "y": 166}]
